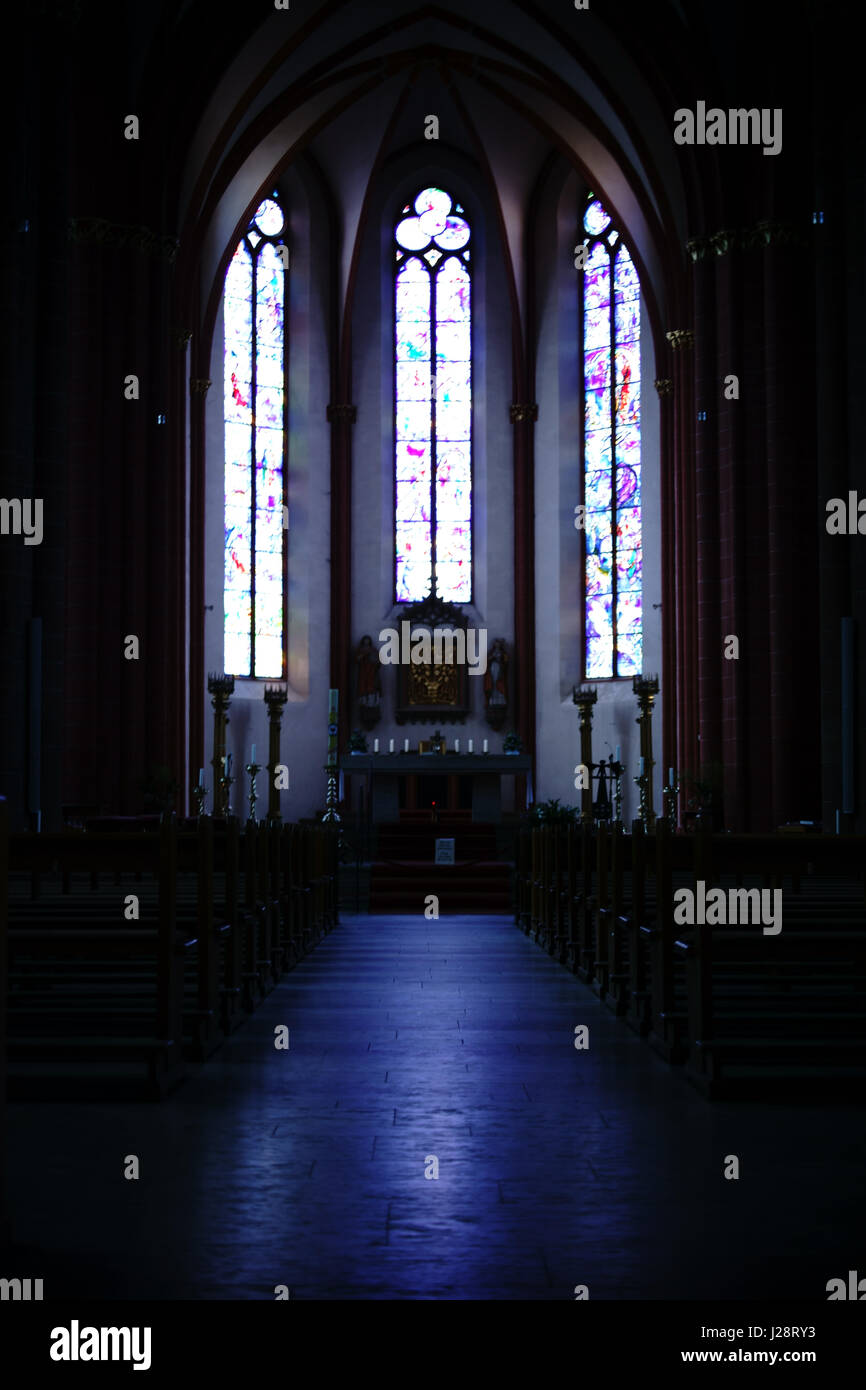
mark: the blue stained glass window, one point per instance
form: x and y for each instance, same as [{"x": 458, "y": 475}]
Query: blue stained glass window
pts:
[
  {"x": 613, "y": 563},
  {"x": 255, "y": 449},
  {"x": 433, "y": 400}
]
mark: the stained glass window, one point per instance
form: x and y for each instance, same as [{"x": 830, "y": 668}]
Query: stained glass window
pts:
[
  {"x": 433, "y": 400},
  {"x": 255, "y": 447},
  {"x": 613, "y": 568}
]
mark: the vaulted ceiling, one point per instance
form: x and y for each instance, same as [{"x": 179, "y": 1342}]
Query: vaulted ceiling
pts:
[{"x": 234, "y": 94}]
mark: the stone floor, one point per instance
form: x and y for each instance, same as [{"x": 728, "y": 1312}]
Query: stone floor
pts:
[{"x": 453, "y": 1038}]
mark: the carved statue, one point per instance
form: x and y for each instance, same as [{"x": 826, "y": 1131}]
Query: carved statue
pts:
[
  {"x": 496, "y": 675},
  {"x": 369, "y": 682},
  {"x": 496, "y": 684}
]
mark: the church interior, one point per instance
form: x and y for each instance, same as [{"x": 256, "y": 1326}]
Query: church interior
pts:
[{"x": 432, "y": 597}]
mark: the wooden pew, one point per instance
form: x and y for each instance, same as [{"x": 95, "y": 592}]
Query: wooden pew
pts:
[
  {"x": 145, "y": 1037},
  {"x": 614, "y": 938},
  {"x": 5, "y": 1225},
  {"x": 207, "y": 993},
  {"x": 94, "y": 990},
  {"x": 637, "y": 1009},
  {"x": 741, "y": 1010},
  {"x": 768, "y": 1012}
]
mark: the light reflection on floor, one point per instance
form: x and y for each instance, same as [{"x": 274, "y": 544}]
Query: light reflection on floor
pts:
[{"x": 410, "y": 1039}]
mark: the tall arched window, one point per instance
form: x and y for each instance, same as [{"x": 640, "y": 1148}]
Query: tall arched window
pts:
[
  {"x": 433, "y": 401},
  {"x": 255, "y": 449},
  {"x": 613, "y": 569}
]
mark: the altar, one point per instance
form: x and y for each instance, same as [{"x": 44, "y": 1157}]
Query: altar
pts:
[{"x": 454, "y": 781}]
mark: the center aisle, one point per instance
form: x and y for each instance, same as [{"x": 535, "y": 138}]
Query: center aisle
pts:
[{"x": 412, "y": 1039}]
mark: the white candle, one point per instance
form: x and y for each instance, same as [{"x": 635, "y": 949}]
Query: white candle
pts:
[
  {"x": 456, "y": 745},
  {"x": 641, "y": 767},
  {"x": 375, "y": 745},
  {"x": 617, "y": 752},
  {"x": 334, "y": 700},
  {"x": 390, "y": 745},
  {"x": 484, "y": 749},
  {"x": 405, "y": 745},
  {"x": 225, "y": 766},
  {"x": 230, "y": 764},
  {"x": 470, "y": 745},
  {"x": 670, "y": 776},
  {"x": 253, "y": 758},
  {"x": 201, "y": 776}
]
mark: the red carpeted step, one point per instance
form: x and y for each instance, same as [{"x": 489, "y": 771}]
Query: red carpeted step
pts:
[
  {"x": 418, "y": 841},
  {"x": 466, "y": 886},
  {"x": 404, "y": 873}
]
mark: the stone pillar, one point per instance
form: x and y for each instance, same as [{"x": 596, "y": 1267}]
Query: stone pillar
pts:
[
  {"x": 341, "y": 417},
  {"x": 523, "y": 418},
  {"x": 682, "y": 344}
]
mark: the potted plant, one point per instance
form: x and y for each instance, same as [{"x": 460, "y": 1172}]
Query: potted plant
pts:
[
  {"x": 159, "y": 790},
  {"x": 704, "y": 805},
  {"x": 357, "y": 742},
  {"x": 513, "y": 743},
  {"x": 552, "y": 813}
]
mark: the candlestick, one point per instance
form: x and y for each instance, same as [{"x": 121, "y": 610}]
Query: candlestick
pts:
[
  {"x": 225, "y": 788},
  {"x": 331, "y": 815},
  {"x": 641, "y": 783},
  {"x": 198, "y": 794},
  {"x": 617, "y": 795},
  {"x": 670, "y": 795},
  {"x": 252, "y": 768}
]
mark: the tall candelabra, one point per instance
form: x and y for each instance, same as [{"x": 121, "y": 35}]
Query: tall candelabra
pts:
[
  {"x": 646, "y": 688},
  {"x": 223, "y": 800},
  {"x": 585, "y": 697},
  {"x": 220, "y": 688},
  {"x": 275, "y": 699},
  {"x": 331, "y": 815}
]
